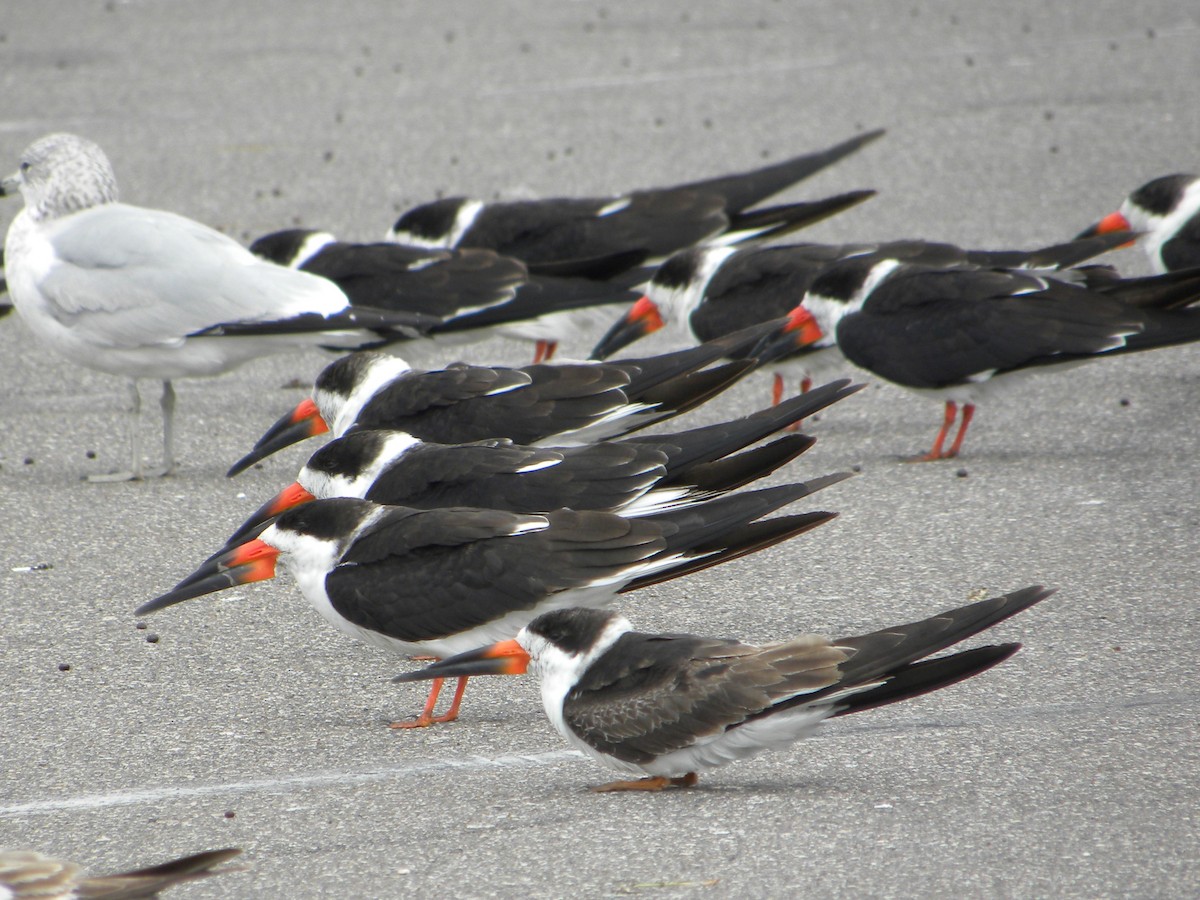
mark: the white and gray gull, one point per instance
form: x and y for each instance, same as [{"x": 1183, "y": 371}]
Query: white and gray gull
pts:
[{"x": 146, "y": 293}]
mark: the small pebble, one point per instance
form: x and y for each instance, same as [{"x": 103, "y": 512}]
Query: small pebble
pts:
[
  {"x": 1124, "y": 401},
  {"x": 140, "y": 626},
  {"x": 229, "y": 814},
  {"x": 64, "y": 667},
  {"x": 856, "y": 468},
  {"x": 961, "y": 473},
  {"x": 91, "y": 454},
  {"x": 28, "y": 460},
  {"x": 152, "y": 639}
]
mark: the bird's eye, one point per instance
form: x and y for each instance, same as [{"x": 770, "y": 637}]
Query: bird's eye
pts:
[{"x": 24, "y": 167}]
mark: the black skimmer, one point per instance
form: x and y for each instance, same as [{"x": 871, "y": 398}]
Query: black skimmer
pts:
[
  {"x": 440, "y": 581},
  {"x": 474, "y": 292},
  {"x": 560, "y": 403},
  {"x": 637, "y": 476},
  {"x": 149, "y": 294},
  {"x": 667, "y": 706},
  {"x": 1166, "y": 214},
  {"x": 707, "y": 292},
  {"x": 656, "y": 222},
  {"x": 27, "y": 874},
  {"x": 956, "y": 332}
]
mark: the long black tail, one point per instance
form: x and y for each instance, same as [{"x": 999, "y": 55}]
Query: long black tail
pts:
[
  {"x": 926, "y": 676},
  {"x": 728, "y": 527},
  {"x": 539, "y": 296},
  {"x": 686, "y": 449},
  {"x": 738, "y": 543},
  {"x": 890, "y": 656},
  {"x": 743, "y": 190},
  {"x": 774, "y": 221},
  {"x": 879, "y": 653},
  {"x": 1160, "y": 328},
  {"x": 647, "y": 371},
  {"x": 1171, "y": 290},
  {"x": 732, "y": 472},
  {"x": 150, "y": 881},
  {"x": 688, "y": 391}
]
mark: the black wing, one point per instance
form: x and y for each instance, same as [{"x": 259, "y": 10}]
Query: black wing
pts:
[
  {"x": 1182, "y": 251},
  {"x": 654, "y": 694},
  {"x": 442, "y": 283},
  {"x": 930, "y": 329},
  {"x": 758, "y": 285},
  {"x": 423, "y": 575},
  {"x": 602, "y": 476}
]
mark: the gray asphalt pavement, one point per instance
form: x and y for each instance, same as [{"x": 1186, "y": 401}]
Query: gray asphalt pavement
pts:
[{"x": 1071, "y": 771}]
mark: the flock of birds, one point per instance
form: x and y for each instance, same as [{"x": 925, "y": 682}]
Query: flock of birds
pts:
[{"x": 489, "y": 516}]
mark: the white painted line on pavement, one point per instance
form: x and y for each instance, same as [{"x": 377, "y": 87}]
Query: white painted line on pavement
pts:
[{"x": 285, "y": 785}]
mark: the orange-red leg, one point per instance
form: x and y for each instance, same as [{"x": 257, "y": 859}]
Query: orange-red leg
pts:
[
  {"x": 947, "y": 420},
  {"x": 805, "y": 387},
  {"x": 427, "y": 718},
  {"x": 968, "y": 412},
  {"x": 777, "y": 390},
  {"x": 544, "y": 351},
  {"x": 655, "y": 783}
]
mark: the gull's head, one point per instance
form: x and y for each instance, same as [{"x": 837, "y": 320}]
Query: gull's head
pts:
[{"x": 62, "y": 174}]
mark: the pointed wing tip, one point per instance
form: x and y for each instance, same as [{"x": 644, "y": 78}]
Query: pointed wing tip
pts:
[{"x": 153, "y": 605}]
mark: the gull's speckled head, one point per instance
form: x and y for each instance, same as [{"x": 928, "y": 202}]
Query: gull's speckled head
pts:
[{"x": 62, "y": 174}]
